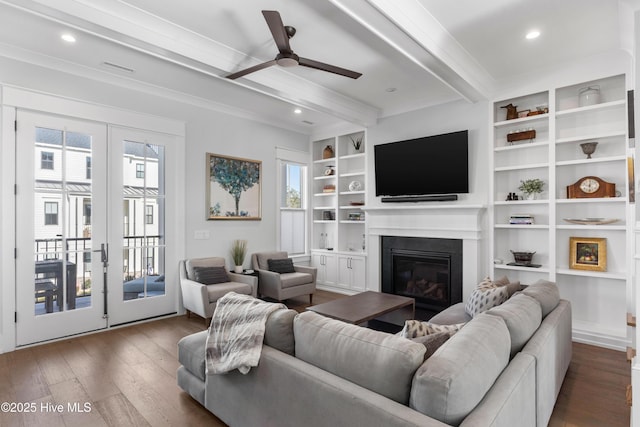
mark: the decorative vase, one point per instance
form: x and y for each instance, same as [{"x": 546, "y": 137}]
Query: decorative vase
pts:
[
  {"x": 588, "y": 148},
  {"x": 531, "y": 196},
  {"x": 589, "y": 96},
  {"x": 328, "y": 153},
  {"x": 238, "y": 269}
]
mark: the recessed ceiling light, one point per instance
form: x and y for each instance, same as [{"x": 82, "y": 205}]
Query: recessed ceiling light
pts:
[
  {"x": 297, "y": 111},
  {"x": 391, "y": 89},
  {"x": 69, "y": 38},
  {"x": 533, "y": 34}
]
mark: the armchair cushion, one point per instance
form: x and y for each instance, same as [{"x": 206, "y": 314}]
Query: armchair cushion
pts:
[
  {"x": 289, "y": 280},
  {"x": 263, "y": 258},
  {"x": 284, "y": 265},
  {"x": 210, "y": 275}
]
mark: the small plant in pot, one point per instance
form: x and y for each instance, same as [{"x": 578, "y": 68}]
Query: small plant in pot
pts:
[
  {"x": 531, "y": 188},
  {"x": 357, "y": 142},
  {"x": 238, "y": 252}
]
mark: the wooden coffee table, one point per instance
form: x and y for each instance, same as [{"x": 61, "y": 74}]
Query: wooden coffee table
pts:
[{"x": 360, "y": 308}]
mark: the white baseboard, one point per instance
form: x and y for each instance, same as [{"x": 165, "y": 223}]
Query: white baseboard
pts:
[{"x": 600, "y": 339}]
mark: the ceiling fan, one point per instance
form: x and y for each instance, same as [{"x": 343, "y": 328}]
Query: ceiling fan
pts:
[{"x": 287, "y": 58}]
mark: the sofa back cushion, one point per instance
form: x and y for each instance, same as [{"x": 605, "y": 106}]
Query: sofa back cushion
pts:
[
  {"x": 546, "y": 293},
  {"x": 522, "y": 315},
  {"x": 455, "y": 379},
  {"x": 278, "y": 331},
  {"x": 380, "y": 362}
]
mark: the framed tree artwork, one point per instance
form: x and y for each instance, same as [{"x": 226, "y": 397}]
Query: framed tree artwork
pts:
[
  {"x": 588, "y": 253},
  {"x": 234, "y": 187}
]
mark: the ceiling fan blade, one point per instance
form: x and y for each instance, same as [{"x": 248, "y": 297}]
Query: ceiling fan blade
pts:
[
  {"x": 249, "y": 70},
  {"x": 305, "y": 62},
  {"x": 277, "y": 30}
]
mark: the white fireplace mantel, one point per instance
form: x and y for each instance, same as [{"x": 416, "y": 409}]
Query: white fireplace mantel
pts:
[{"x": 445, "y": 221}]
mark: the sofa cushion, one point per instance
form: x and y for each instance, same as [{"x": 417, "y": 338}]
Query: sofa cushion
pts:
[
  {"x": 485, "y": 297},
  {"x": 284, "y": 265},
  {"x": 522, "y": 315},
  {"x": 377, "y": 361},
  {"x": 451, "y": 315},
  {"x": 217, "y": 291},
  {"x": 191, "y": 353},
  {"x": 546, "y": 293},
  {"x": 289, "y": 280},
  {"x": 210, "y": 275},
  {"x": 278, "y": 331},
  {"x": 432, "y": 342},
  {"x": 455, "y": 379},
  {"x": 417, "y": 328}
]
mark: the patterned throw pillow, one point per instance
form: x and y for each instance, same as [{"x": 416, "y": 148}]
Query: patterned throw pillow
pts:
[
  {"x": 432, "y": 342},
  {"x": 484, "y": 297},
  {"x": 210, "y": 275},
  {"x": 284, "y": 265},
  {"x": 512, "y": 287},
  {"x": 418, "y": 328}
]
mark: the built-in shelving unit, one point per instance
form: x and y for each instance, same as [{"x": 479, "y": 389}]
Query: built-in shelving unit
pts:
[
  {"x": 555, "y": 156},
  {"x": 338, "y": 232}
]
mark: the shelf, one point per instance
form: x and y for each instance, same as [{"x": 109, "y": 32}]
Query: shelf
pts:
[
  {"x": 358, "y": 173},
  {"x": 592, "y": 160},
  {"x": 601, "y": 106},
  {"x": 324, "y": 177},
  {"x": 593, "y": 200},
  {"x": 520, "y": 167},
  {"x": 351, "y": 156},
  {"x": 324, "y": 221},
  {"x": 592, "y": 227},
  {"x": 323, "y": 208},
  {"x": 601, "y": 274},
  {"x": 325, "y": 194},
  {"x": 589, "y": 137},
  {"x": 323, "y": 161},
  {"x": 525, "y": 226},
  {"x": 347, "y": 193},
  {"x": 521, "y": 146},
  {"x": 518, "y": 268},
  {"x": 347, "y": 221},
  {"x": 359, "y": 207},
  {"x": 521, "y": 202},
  {"x": 529, "y": 119}
]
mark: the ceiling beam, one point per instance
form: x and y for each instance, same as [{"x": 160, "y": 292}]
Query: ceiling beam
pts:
[
  {"x": 410, "y": 29},
  {"x": 132, "y": 27}
]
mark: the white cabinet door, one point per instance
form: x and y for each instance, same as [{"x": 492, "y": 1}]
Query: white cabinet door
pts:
[
  {"x": 326, "y": 265},
  {"x": 351, "y": 272}
]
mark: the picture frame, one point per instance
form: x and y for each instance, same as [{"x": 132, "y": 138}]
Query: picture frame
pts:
[
  {"x": 233, "y": 188},
  {"x": 588, "y": 253}
]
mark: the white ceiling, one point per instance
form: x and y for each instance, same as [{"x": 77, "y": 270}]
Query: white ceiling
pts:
[{"x": 412, "y": 53}]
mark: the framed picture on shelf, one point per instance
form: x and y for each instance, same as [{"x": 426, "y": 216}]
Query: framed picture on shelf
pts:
[
  {"x": 588, "y": 253},
  {"x": 233, "y": 188}
]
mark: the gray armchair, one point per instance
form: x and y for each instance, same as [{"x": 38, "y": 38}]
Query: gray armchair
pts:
[
  {"x": 201, "y": 298},
  {"x": 281, "y": 286}
]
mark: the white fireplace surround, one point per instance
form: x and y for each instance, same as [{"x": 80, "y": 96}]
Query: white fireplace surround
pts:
[{"x": 450, "y": 221}]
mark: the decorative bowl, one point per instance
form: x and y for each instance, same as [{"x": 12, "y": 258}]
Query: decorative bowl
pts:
[
  {"x": 523, "y": 257},
  {"x": 588, "y": 148}
]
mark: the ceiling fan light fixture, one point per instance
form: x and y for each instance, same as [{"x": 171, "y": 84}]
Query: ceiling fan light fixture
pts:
[{"x": 290, "y": 60}]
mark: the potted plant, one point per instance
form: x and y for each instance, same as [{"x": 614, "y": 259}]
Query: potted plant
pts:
[
  {"x": 357, "y": 142},
  {"x": 238, "y": 252},
  {"x": 531, "y": 187}
]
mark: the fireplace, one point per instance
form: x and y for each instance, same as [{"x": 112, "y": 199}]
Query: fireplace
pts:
[{"x": 427, "y": 269}]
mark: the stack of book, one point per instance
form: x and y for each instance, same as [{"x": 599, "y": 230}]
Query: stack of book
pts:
[{"x": 521, "y": 219}]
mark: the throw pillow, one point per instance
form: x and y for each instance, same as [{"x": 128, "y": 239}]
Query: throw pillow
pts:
[
  {"x": 483, "y": 298},
  {"x": 418, "y": 328},
  {"x": 284, "y": 265},
  {"x": 432, "y": 342},
  {"x": 512, "y": 287},
  {"x": 210, "y": 275}
]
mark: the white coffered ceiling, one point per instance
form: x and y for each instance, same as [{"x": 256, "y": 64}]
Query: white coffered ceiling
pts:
[{"x": 412, "y": 53}]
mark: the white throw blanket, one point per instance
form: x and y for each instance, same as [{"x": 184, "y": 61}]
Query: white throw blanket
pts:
[{"x": 236, "y": 333}]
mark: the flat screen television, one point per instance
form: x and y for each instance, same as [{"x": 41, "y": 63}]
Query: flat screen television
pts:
[{"x": 436, "y": 164}]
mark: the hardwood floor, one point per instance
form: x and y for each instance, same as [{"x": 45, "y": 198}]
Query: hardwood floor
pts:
[{"x": 127, "y": 377}]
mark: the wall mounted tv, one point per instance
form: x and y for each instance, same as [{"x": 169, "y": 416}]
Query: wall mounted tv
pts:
[{"x": 431, "y": 165}]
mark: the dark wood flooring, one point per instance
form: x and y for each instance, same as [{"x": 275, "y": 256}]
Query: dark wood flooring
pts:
[{"x": 127, "y": 377}]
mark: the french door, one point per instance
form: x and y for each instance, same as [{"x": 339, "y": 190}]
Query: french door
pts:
[
  {"x": 61, "y": 226},
  {"x": 90, "y": 235}
]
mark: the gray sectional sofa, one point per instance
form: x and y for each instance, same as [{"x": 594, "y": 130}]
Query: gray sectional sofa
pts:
[{"x": 503, "y": 368}]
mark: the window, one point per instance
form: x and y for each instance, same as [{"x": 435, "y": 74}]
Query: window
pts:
[
  {"x": 50, "y": 213},
  {"x": 292, "y": 179},
  {"x": 148, "y": 214},
  {"x": 46, "y": 160},
  {"x": 139, "y": 170},
  {"x": 86, "y": 211},
  {"x": 88, "y": 167}
]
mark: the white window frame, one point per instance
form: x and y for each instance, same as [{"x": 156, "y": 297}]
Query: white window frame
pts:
[{"x": 283, "y": 156}]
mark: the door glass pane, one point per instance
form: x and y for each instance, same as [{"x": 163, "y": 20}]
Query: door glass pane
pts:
[
  {"x": 143, "y": 220},
  {"x": 62, "y": 215}
]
